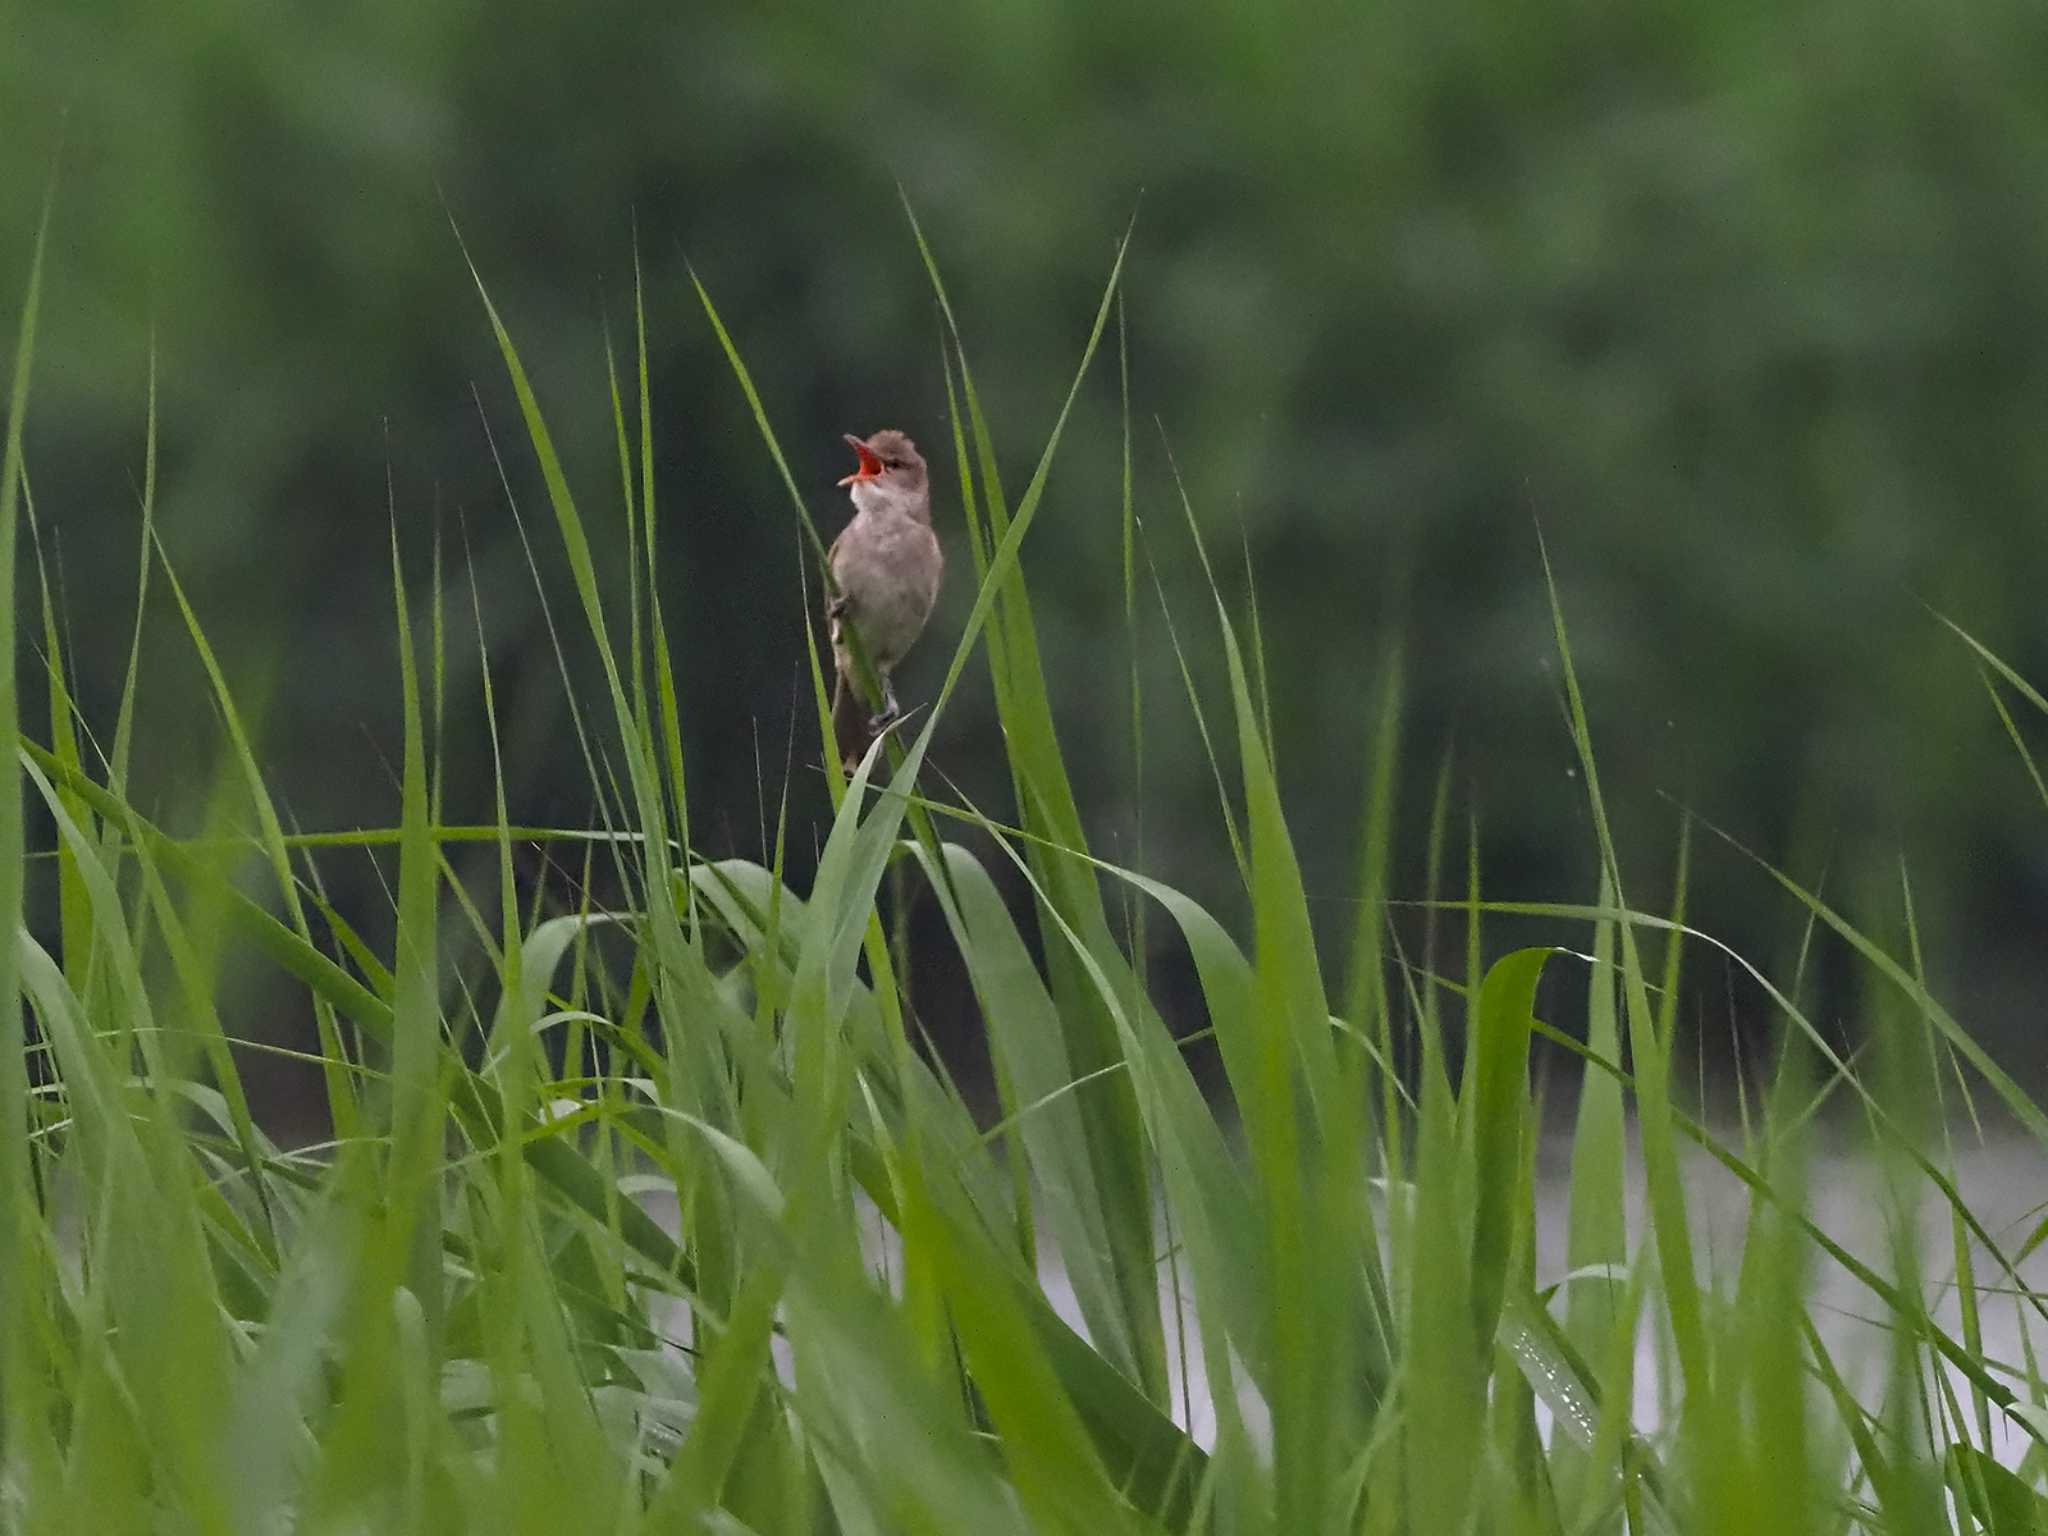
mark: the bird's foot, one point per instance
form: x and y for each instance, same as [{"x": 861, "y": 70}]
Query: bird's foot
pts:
[
  {"x": 891, "y": 712},
  {"x": 836, "y": 609}
]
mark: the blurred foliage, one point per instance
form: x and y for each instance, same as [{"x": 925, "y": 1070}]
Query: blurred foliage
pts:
[{"x": 1738, "y": 301}]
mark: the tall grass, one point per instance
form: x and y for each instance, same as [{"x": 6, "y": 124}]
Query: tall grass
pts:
[{"x": 655, "y": 1217}]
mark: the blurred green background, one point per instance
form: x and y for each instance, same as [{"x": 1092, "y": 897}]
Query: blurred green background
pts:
[{"x": 1742, "y": 303}]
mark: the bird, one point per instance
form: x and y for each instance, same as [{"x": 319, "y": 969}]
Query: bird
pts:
[{"x": 886, "y": 566}]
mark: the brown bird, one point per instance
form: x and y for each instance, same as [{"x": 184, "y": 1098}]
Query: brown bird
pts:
[{"x": 887, "y": 565}]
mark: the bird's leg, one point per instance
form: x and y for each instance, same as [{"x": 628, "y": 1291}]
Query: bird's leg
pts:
[
  {"x": 891, "y": 710},
  {"x": 836, "y": 609}
]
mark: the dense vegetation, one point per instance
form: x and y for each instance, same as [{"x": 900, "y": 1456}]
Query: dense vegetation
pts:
[{"x": 653, "y": 1215}]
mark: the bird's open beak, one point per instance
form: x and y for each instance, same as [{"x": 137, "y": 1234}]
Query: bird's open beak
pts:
[{"x": 870, "y": 466}]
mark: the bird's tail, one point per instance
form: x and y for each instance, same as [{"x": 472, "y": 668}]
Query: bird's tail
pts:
[{"x": 850, "y": 728}]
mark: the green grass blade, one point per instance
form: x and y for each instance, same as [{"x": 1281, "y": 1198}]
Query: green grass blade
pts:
[
  {"x": 1047, "y": 806},
  {"x": 1597, "y": 1228},
  {"x": 1024, "y": 1035},
  {"x": 74, "y": 910},
  {"x": 1653, "y": 1107},
  {"x": 416, "y": 1109},
  {"x": 124, "y": 722},
  {"x": 20, "y": 1278},
  {"x": 341, "y": 1102},
  {"x": 1494, "y": 1123}
]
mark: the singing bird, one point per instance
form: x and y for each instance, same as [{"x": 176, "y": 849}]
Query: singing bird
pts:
[{"x": 887, "y": 565}]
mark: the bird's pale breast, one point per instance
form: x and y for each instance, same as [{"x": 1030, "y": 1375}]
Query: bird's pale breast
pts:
[{"x": 888, "y": 568}]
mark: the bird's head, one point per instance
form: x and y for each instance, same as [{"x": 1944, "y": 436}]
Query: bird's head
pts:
[{"x": 891, "y": 476}]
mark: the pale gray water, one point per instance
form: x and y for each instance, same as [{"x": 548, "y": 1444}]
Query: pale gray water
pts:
[{"x": 2004, "y": 1181}]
